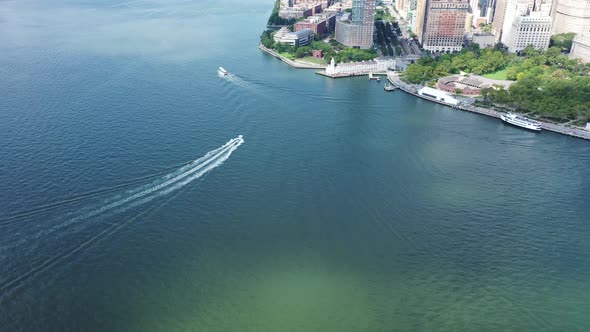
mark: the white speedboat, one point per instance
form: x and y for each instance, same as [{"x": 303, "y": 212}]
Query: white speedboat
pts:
[
  {"x": 222, "y": 72},
  {"x": 521, "y": 121}
]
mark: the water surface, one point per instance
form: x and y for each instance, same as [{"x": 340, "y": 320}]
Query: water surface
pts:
[{"x": 345, "y": 209}]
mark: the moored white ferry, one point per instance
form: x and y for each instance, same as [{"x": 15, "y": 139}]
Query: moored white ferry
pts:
[
  {"x": 222, "y": 72},
  {"x": 521, "y": 121}
]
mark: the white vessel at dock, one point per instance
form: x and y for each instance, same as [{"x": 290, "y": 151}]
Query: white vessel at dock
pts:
[
  {"x": 222, "y": 72},
  {"x": 521, "y": 121}
]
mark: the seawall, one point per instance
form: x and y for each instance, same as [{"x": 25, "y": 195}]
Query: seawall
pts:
[
  {"x": 557, "y": 128},
  {"x": 290, "y": 62}
]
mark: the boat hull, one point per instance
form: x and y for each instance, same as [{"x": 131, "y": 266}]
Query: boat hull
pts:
[
  {"x": 519, "y": 125},
  {"x": 222, "y": 72}
]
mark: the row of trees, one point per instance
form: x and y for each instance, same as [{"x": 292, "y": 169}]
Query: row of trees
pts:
[
  {"x": 546, "y": 96},
  {"x": 386, "y": 39},
  {"x": 335, "y": 50},
  {"x": 563, "y": 41},
  {"x": 383, "y": 15},
  {"x": 352, "y": 54},
  {"x": 266, "y": 39},
  {"x": 472, "y": 60},
  {"x": 548, "y": 84}
]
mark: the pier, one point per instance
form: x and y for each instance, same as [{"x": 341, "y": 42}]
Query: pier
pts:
[
  {"x": 340, "y": 75},
  {"x": 556, "y": 128}
]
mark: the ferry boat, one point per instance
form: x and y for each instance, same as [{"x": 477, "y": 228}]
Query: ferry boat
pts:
[
  {"x": 222, "y": 72},
  {"x": 521, "y": 121}
]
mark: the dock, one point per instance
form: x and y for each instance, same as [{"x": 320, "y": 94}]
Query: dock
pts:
[
  {"x": 556, "y": 128},
  {"x": 390, "y": 87}
]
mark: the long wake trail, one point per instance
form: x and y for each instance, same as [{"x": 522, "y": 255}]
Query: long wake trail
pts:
[
  {"x": 82, "y": 196},
  {"x": 239, "y": 81},
  {"x": 169, "y": 183}
]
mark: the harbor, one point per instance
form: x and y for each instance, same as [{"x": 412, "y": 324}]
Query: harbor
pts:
[
  {"x": 373, "y": 69},
  {"x": 413, "y": 90}
]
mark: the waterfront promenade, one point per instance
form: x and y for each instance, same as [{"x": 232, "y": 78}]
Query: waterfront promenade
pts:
[
  {"x": 412, "y": 89},
  {"x": 296, "y": 64}
]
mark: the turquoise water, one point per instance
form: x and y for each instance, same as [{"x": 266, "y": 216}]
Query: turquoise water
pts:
[{"x": 345, "y": 209}]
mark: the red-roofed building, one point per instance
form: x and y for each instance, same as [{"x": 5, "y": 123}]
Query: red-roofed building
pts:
[
  {"x": 317, "y": 25},
  {"x": 317, "y": 54}
]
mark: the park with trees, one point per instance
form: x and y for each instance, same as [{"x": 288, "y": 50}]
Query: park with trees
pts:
[
  {"x": 548, "y": 84},
  {"x": 386, "y": 38},
  {"x": 332, "y": 49}
]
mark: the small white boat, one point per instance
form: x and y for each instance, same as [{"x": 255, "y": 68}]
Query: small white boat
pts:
[
  {"x": 521, "y": 121},
  {"x": 222, "y": 72}
]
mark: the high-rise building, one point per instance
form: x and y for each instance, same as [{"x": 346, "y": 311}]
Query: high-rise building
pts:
[
  {"x": 571, "y": 16},
  {"x": 498, "y": 18},
  {"x": 402, "y": 7},
  {"x": 481, "y": 11},
  {"x": 506, "y": 11},
  {"x": 485, "y": 6},
  {"x": 444, "y": 25},
  {"x": 534, "y": 30},
  {"x": 526, "y": 23},
  {"x": 356, "y": 30},
  {"x": 418, "y": 26},
  {"x": 581, "y": 47}
]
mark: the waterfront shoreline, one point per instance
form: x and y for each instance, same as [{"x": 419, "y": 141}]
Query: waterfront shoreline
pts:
[
  {"x": 290, "y": 62},
  {"x": 577, "y": 132},
  {"x": 323, "y": 73}
]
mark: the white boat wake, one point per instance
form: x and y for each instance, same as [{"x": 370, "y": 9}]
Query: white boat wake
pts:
[
  {"x": 165, "y": 185},
  {"x": 234, "y": 79},
  {"x": 174, "y": 181}
]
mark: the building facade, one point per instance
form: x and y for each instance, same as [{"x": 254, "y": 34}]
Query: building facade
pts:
[
  {"x": 508, "y": 10},
  {"x": 571, "y": 16},
  {"x": 498, "y": 18},
  {"x": 298, "y": 38},
  {"x": 356, "y": 30},
  {"x": 418, "y": 26},
  {"x": 527, "y": 30},
  {"x": 316, "y": 24},
  {"x": 301, "y": 8},
  {"x": 484, "y": 39},
  {"x": 359, "y": 68},
  {"x": 581, "y": 48},
  {"x": 444, "y": 25}
]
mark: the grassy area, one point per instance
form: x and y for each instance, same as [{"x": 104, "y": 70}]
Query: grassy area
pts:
[
  {"x": 498, "y": 75},
  {"x": 384, "y": 15},
  {"x": 288, "y": 55},
  {"x": 313, "y": 60}
]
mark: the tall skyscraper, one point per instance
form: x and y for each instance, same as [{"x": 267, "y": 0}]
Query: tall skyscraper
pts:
[
  {"x": 356, "y": 30},
  {"x": 418, "y": 27},
  {"x": 528, "y": 30},
  {"x": 526, "y": 23},
  {"x": 571, "y": 16},
  {"x": 506, "y": 11},
  {"x": 581, "y": 47},
  {"x": 363, "y": 12},
  {"x": 444, "y": 25}
]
